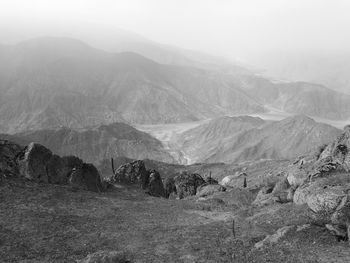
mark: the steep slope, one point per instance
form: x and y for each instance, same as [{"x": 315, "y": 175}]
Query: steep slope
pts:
[
  {"x": 96, "y": 144},
  {"x": 205, "y": 140},
  {"x": 50, "y": 82},
  {"x": 251, "y": 139}
]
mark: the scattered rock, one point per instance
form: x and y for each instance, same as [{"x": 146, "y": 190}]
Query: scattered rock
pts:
[
  {"x": 209, "y": 189},
  {"x": 282, "y": 191},
  {"x": 274, "y": 238},
  {"x": 264, "y": 196}
]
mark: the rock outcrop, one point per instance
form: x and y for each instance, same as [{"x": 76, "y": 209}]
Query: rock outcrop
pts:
[
  {"x": 326, "y": 187},
  {"x": 186, "y": 184},
  {"x": 37, "y": 163},
  {"x": 135, "y": 173},
  {"x": 8, "y": 154},
  {"x": 132, "y": 173}
]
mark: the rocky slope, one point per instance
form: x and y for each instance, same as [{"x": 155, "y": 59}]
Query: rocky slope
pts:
[
  {"x": 241, "y": 139},
  {"x": 96, "y": 144}
]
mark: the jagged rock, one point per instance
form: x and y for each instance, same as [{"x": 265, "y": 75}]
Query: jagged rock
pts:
[
  {"x": 37, "y": 163},
  {"x": 155, "y": 185},
  {"x": 132, "y": 173},
  {"x": 264, "y": 196},
  {"x": 205, "y": 190},
  {"x": 8, "y": 153},
  {"x": 321, "y": 196},
  {"x": 105, "y": 257},
  {"x": 187, "y": 184},
  {"x": 282, "y": 192},
  {"x": 32, "y": 162},
  {"x": 297, "y": 175},
  {"x": 170, "y": 188},
  {"x": 274, "y": 238},
  {"x": 86, "y": 177},
  {"x": 341, "y": 216}
]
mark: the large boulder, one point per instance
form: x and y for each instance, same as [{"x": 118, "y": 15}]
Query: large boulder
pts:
[
  {"x": 86, "y": 177},
  {"x": 233, "y": 180},
  {"x": 8, "y": 154},
  {"x": 33, "y": 162},
  {"x": 187, "y": 184},
  {"x": 132, "y": 173},
  {"x": 60, "y": 168},
  {"x": 155, "y": 185},
  {"x": 283, "y": 192},
  {"x": 170, "y": 187}
]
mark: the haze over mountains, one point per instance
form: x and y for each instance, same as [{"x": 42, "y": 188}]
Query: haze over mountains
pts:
[{"x": 60, "y": 82}]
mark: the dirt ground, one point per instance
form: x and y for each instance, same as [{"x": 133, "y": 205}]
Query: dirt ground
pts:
[{"x": 47, "y": 223}]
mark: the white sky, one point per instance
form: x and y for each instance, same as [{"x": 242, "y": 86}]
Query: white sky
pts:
[{"x": 225, "y": 27}]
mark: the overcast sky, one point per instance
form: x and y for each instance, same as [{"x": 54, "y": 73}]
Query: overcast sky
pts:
[{"x": 238, "y": 28}]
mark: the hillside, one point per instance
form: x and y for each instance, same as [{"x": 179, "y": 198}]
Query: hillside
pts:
[
  {"x": 242, "y": 139},
  {"x": 94, "y": 145},
  {"x": 48, "y": 83}
]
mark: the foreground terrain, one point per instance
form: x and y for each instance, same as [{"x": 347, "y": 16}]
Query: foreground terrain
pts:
[{"x": 47, "y": 223}]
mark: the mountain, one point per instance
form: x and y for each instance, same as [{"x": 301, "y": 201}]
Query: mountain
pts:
[
  {"x": 298, "y": 97},
  {"x": 48, "y": 83},
  {"x": 94, "y": 145},
  {"x": 245, "y": 138}
]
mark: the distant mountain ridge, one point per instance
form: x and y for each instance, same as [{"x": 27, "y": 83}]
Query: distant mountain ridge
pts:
[
  {"x": 241, "y": 139},
  {"x": 48, "y": 83},
  {"x": 95, "y": 144}
]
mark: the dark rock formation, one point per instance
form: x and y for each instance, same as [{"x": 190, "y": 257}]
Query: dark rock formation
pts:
[
  {"x": 33, "y": 162},
  {"x": 155, "y": 185},
  {"x": 8, "y": 164},
  {"x": 37, "y": 163},
  {"x": 86, "y": 177},
  {"x": 135, "y": 173},
  {"x": 169, "y": 185},
  {"x": 187, "y": 184},
  {"x": 132, "y": 173}
]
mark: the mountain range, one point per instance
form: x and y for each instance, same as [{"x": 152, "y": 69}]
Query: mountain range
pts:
[{"x": 48, "y": 83}]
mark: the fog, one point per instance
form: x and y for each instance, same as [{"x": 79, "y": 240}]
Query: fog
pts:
[{"x": 241, "y": 29}]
